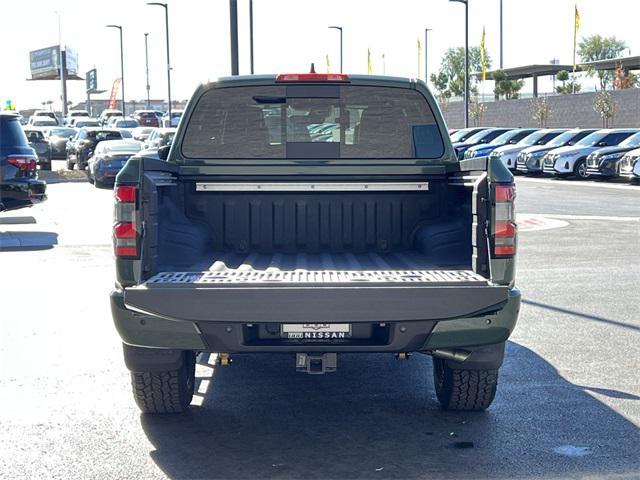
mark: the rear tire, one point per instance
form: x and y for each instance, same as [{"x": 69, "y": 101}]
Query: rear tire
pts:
[
  {"x": 167, "y": 391},
  {"x": 460, "y": 389}
]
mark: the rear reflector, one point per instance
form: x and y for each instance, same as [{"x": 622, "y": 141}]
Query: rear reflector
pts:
[
  {"x": 126, "y": 251},
  {"x": 312, "y": 77}
]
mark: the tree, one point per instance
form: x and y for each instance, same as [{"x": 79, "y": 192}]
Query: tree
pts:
[
  {"x": 541, "y": 111},
  {"x": 476, "y": 111},
  {"x": 597, "y": 47},
  {"x": 450, "y": 78},
  {"x": 504, "y": 87},
  {"x": 607, "y": 107},
  {"x": 624, "y": 79},
  {"x": 568, "y": 86}
]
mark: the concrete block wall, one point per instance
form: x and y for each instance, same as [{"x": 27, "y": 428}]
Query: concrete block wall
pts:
[{"x": 566, "y": 111}]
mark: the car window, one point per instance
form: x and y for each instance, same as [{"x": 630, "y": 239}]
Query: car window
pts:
[
  {"x": 563, "y": 138},
  {"x": 101, "y": 136},
  {"x": 300, "y": 121},
  {"x": 35, "y": 136},
  {"x": 126, "y": 124},
  {"x": 532, "y": 138},
  {"x": 511, "y": 136},
  {"x": 11, "y": 133}
]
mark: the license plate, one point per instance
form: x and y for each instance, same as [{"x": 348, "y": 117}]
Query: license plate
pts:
[{"x": 316, "y": 331}]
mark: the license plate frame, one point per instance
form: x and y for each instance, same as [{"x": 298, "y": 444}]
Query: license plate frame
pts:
[{"x": 316, "y": 331}]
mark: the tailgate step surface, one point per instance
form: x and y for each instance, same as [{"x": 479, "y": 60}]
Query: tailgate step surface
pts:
[{"x": 250, "y": 277}]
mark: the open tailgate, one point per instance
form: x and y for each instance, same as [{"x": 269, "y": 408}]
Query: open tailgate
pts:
[{"x": 316, "y": 296}]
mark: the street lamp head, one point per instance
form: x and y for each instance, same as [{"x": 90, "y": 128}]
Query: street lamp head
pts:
[
  {"x": 336, "y": 27},
  {"x": 114, "y": 26},
  {"x": 459, "y": 1},
  {"x": 159, "y": 4}
]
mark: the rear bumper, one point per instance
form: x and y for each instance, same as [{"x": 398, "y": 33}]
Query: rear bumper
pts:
[
  {"x": 15, "y": 194},
  {"x": 144, "y": 330}
]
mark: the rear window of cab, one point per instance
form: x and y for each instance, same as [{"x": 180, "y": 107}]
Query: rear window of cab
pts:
[{"x": 312, "y": 121}]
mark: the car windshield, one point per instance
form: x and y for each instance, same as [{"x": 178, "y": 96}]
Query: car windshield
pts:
[
  {"x": 462, "y": 135},
  {"x": 62, "y": 132},
  {"x": 534, "y": 138},
  {"x": 506, "y": 137},
  {"x": 476, "y": 137},
  {"x": 562, "y": 139},
  {"x": 319, "y": 121},
  {"x": 591, "y": 140},
  {"x": 43, "y": 123},
  {"x": 632, "y": 141},
  {"x": 93, "y": 123}
]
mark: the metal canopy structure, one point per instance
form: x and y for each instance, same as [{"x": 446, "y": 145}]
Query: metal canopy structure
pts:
[{"x": 535, "y": 71}]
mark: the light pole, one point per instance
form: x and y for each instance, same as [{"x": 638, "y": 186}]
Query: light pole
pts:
[
  {"x": 339, "y": 28},
  {"x": 251, "y": 33},
  {"x": 166, "y": 24},
  {"x": 146, "y": 62},
  {"x": 466, "y": 60},
  {"x": 501, "y": 64},
  {"x": 426, "y": 55},
  {"x": 119, "y": 27}
]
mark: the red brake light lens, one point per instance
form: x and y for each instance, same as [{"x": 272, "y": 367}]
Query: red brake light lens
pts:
[
  {"x": 504, "y": 228},
  {"x": 124, "y": 230},
  {"x": 24, "y": 164},
  {"x": 312, "y": 77},
  {"x": 125, "y": 193}
]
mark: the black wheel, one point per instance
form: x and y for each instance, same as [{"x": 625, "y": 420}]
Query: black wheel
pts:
[
  {"x": 90, "y": 178},
  {"x": 580, "y": 169},
  {"x": 165, "y": 391},
  {"x": 459, "y": 389}
]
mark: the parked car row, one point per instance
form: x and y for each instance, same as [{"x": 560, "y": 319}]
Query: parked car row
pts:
[{"x": 562, "y": 152}]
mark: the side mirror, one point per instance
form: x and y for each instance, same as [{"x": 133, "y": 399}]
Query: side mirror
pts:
[
  {"x": 163, "y": 152},
  {"x": 602, "y": 144}
]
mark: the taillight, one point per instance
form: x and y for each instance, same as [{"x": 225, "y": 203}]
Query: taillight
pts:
[
  {"x": 126, "y": 237},
  {"x": 25, "y": 163},
  {"x": 312, "y": 77},
  {"x": 503, "y": 226}
]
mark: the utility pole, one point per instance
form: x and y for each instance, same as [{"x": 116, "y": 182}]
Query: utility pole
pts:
[
  {"x": 233, "y": 21},
  {"x": 146, "y": 60}
]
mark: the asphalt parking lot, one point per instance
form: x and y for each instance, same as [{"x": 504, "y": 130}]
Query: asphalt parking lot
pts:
[{"x": 568, "y": 403}]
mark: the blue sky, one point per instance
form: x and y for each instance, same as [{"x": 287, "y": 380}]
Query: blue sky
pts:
[{"x": 289, "y": 35}]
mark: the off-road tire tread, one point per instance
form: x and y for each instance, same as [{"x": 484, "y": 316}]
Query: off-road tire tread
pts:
[
  {"x": 467, "y": 389},
  {"x": 163, "y": 392}
]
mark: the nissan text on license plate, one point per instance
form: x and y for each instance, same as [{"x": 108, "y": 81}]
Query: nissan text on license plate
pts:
[{"x": 316, "y": 331}]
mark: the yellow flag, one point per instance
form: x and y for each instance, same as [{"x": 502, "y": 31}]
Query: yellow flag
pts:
[
  {"x": 328, "y": 64},
  {"x": 419, "y": 58},
  {"x": 483, "y": 57},
  {"x": 576, "y": 27},
  {"x": 369, "y": 67}
]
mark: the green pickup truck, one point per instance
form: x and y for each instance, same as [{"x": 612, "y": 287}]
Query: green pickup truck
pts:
[{"x": 309, "y": 215}]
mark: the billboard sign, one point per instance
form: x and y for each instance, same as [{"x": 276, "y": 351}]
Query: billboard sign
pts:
[{"x": 45, "y": 62}]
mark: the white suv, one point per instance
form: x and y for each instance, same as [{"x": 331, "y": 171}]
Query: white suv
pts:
[{"x": 571, "y": 160}]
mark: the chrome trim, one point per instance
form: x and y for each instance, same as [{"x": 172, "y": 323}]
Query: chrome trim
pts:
[{"x": 309, "y": 187}]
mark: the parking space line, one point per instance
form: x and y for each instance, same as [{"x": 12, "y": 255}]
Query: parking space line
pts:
[{"x": 581, "y": 183}]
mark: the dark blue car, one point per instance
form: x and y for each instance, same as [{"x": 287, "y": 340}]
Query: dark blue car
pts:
[{"x": 108, "y": 159}]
